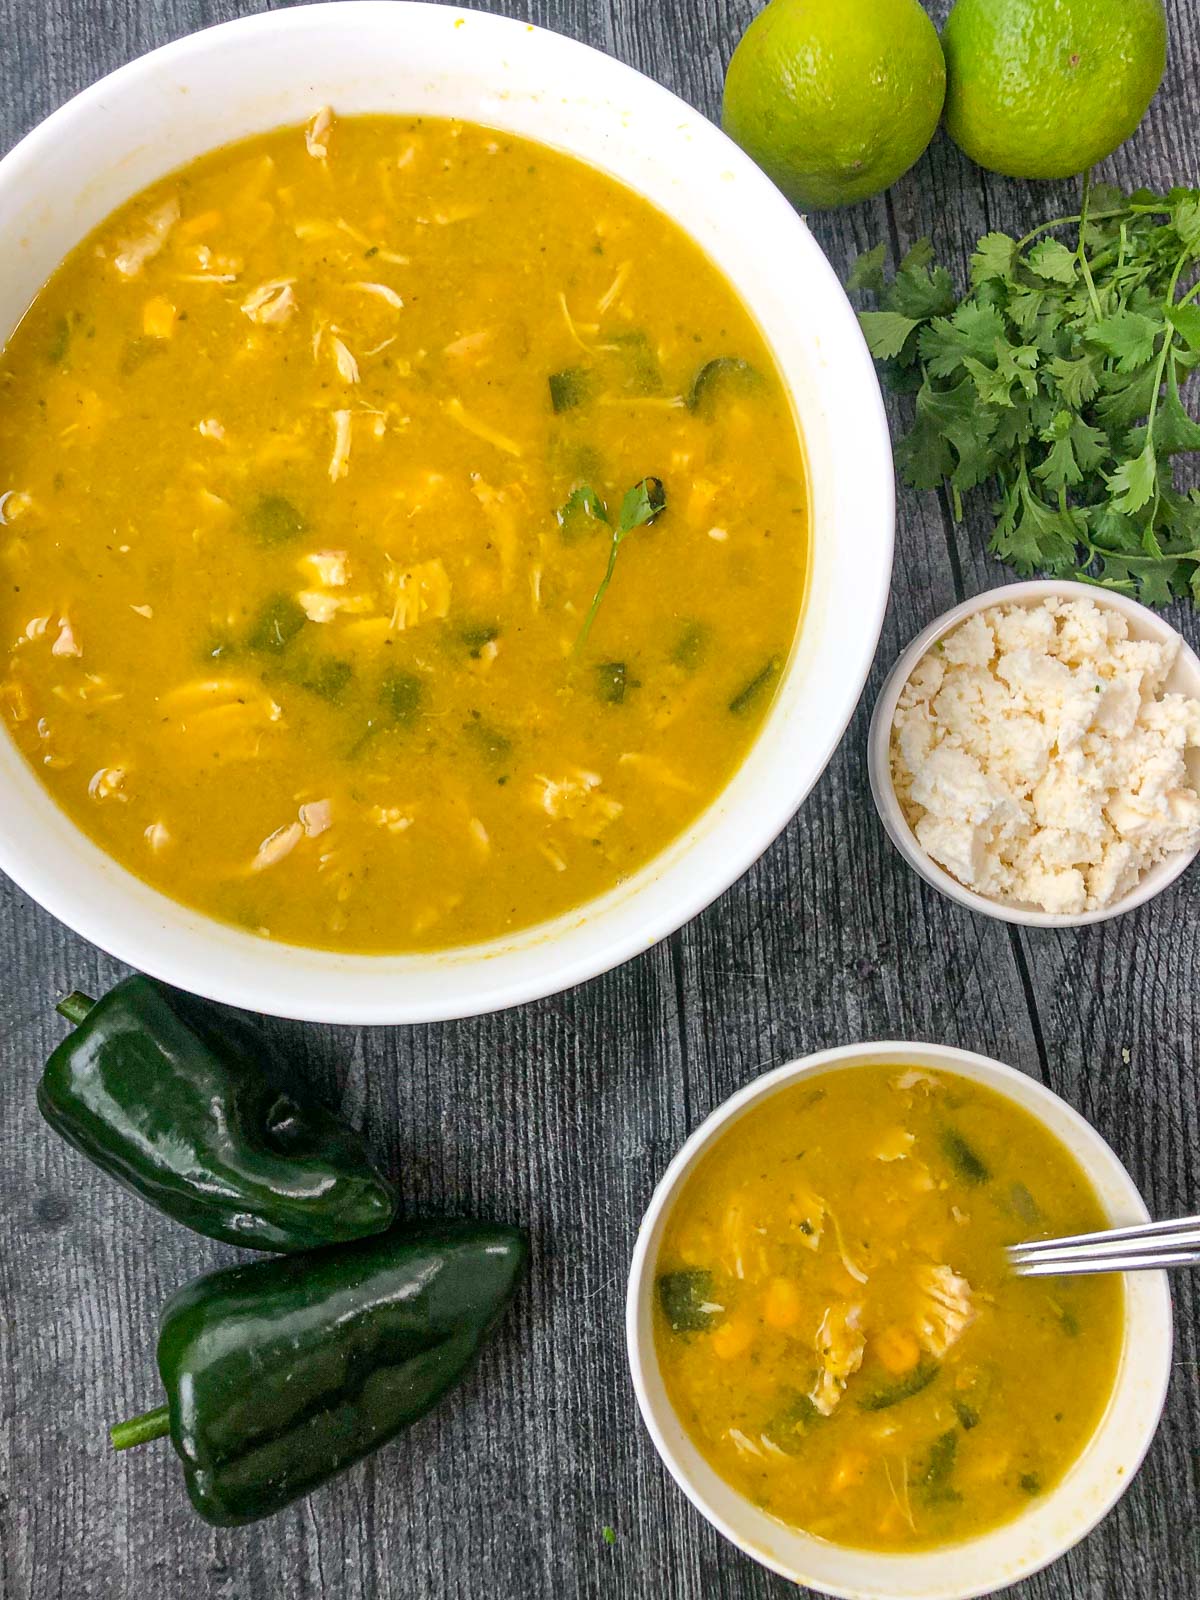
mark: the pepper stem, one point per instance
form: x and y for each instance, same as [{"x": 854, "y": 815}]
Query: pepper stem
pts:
[
  {"x": 75, "y": 1006},
  {"x": 140, "y": 1430}
]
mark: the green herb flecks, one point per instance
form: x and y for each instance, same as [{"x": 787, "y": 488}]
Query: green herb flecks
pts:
[
  {"x": 963, "y": 1157},
  {"x": 967, "y": 1415},
  {"x": 1030, "y": 1482},
  {"x": 751, "y": 693},
  {"x": 328, "y": 677},
  {"x": 891, "y": 1394},
  {"x": 643, "y": 503},
  {"x": 686, "y": 1298},
  {"x": 1054, "y": 387},
  {"x": 582, "y": 509}
]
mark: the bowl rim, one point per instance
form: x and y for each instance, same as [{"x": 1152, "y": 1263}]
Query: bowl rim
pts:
[
  {"x": 1028, "y": 592},
  {"x": 907, "y": 1576},
  {"x": 208, "y": 957}
]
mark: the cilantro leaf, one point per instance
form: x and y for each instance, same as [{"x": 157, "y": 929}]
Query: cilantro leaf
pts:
[
  {"x": 867, "y": 271},
  {"x": 1058, "y": 393},
  {"x": 1053, "y": 261},
  {"x": 993, "y": 258},
  {"x": 642, "y": 503},
  {"x": 886, "y": 332},
  {"x": 1129, "y": 336},
  {"x": 1133, "y": 482}
]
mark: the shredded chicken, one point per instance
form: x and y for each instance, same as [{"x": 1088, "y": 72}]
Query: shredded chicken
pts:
[
  {"x": 321, "y": 606},
  {"x": 108, "y": 784},
  {"x": 422, "y": 592},
  {"x": 278, "y": 845},
  {"x": 839, "y": 1344},
  {"x": 455, "y": 410},
  {"x": 329, "y": 568},
  {"x": 576, "y": 800},
  {"x": 346, "y": 365},
  {"x": 339, "y": 463},
  {"x": 315, "y": 817},
  {"x": 914, "y": 1078},
  {"x": 66, "y": 644},
  {"x": 946, "y": 1309},
  {"x": 210, "y": 428},
  {"x": 271, "y": 304},
  {"x": 894, "y": 1145},
  {"x": 381, "y": 291},
  {"x": 134, "y": 253},
  {"x": 316, "y": 140},
  {"x": 390, "y": 817}
]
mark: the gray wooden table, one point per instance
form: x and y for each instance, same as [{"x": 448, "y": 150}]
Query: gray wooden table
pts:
[{"x": 564, "y": 1114}]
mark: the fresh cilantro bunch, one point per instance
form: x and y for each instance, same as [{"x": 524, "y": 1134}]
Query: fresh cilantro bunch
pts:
[{"x": 1055, "y": 384}]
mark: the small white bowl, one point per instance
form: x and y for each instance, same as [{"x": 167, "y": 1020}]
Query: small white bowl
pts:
[
  {"x": 1060, "y": 1518},
  {"x": 1143, "y": 624},
  {"x": 378, "y": 56}
]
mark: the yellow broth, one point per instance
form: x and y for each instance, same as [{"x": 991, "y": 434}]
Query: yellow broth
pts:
[
  {"x": 835, "y": 1324},
  {"x": 292, "y": 615}
]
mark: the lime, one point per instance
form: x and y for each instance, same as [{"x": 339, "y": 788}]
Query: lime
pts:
[
  {"x": 1045, "y": 88},
  {"x": 835, "y": 98}
]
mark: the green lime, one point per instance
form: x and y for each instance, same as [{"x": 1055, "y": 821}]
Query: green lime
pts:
[
  {"x": 1046, "y": 88},
  {"x": 835, "y": 98}
]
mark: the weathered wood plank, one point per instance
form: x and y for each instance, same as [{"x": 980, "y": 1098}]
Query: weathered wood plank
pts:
[{"x": 565, "y": 1113}]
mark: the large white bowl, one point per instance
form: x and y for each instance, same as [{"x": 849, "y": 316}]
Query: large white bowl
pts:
[
  {"x": 1058, "y": 1519},
  {"x": 364, "y": 56}
]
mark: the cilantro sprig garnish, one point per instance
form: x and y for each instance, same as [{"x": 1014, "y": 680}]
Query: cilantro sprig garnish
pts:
[
  {"x": 1055, "y": 385},
  {"x": 646, "y": 500}
]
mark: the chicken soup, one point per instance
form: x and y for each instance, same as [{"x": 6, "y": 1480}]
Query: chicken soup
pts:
[
  {"x": 836, "y": 1326},
  {"x": 402, "y": 530}
]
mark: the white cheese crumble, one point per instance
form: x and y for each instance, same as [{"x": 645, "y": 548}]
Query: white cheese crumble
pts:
[{"x": 1037, "y": 758}]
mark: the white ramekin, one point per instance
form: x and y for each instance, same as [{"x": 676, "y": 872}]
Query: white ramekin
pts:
[
  {"x": 1143, "y": 624},
  {"x": 1060, "y": 1518},
  {"x": 366, "y": 55}
]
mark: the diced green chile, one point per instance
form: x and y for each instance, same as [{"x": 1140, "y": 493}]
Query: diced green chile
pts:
[
  {"x": 691, "y": 646},
  {"x": 490, "y": 741},
  {"x": 891, "y": 1394},
  {"x": 400, "y": 694},
  {"x": 789, "y": 1428},
  {"x": 967, "y": 1415},
  {"x": 476, "y": 635},
  {"x": 964, "y": 1158},
  {"x": 723, "y": 372},
  {"x": 939, "y": 1469},
  {"x": 751, "y": 693},
  {"x": 276, "y": 625},
  {"x": 273, "y": 520},
  {"x": 59, "y": 342},
  {"x": 612, "y": 681},
  {"x": 569, "y": 388},
  {"x": 328, "y": 677},
  {"x": 686, "y": 1298},
  {"x": 644, "y": 375}
]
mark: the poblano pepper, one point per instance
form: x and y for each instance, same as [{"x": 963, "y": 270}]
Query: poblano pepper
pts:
[
  {"x": 280, "y": 1374},
  {"x": 181, "y": 1104}
]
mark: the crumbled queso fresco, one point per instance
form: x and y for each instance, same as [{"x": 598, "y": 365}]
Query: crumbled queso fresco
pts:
[{"x": 1037, "y": 758}]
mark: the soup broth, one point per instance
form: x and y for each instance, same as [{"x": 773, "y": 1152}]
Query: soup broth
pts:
[
  {"x": 404, "y": 533},
  {"x": 836, "y": 1326}
]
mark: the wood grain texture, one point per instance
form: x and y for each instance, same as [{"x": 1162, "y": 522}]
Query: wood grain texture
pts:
[{"x": 565, "y": 1113}]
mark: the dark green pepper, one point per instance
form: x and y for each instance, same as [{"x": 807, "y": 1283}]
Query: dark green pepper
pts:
[
  {"x": 181, "y": 1104},
  {"x": 280, "y": 1374}
]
